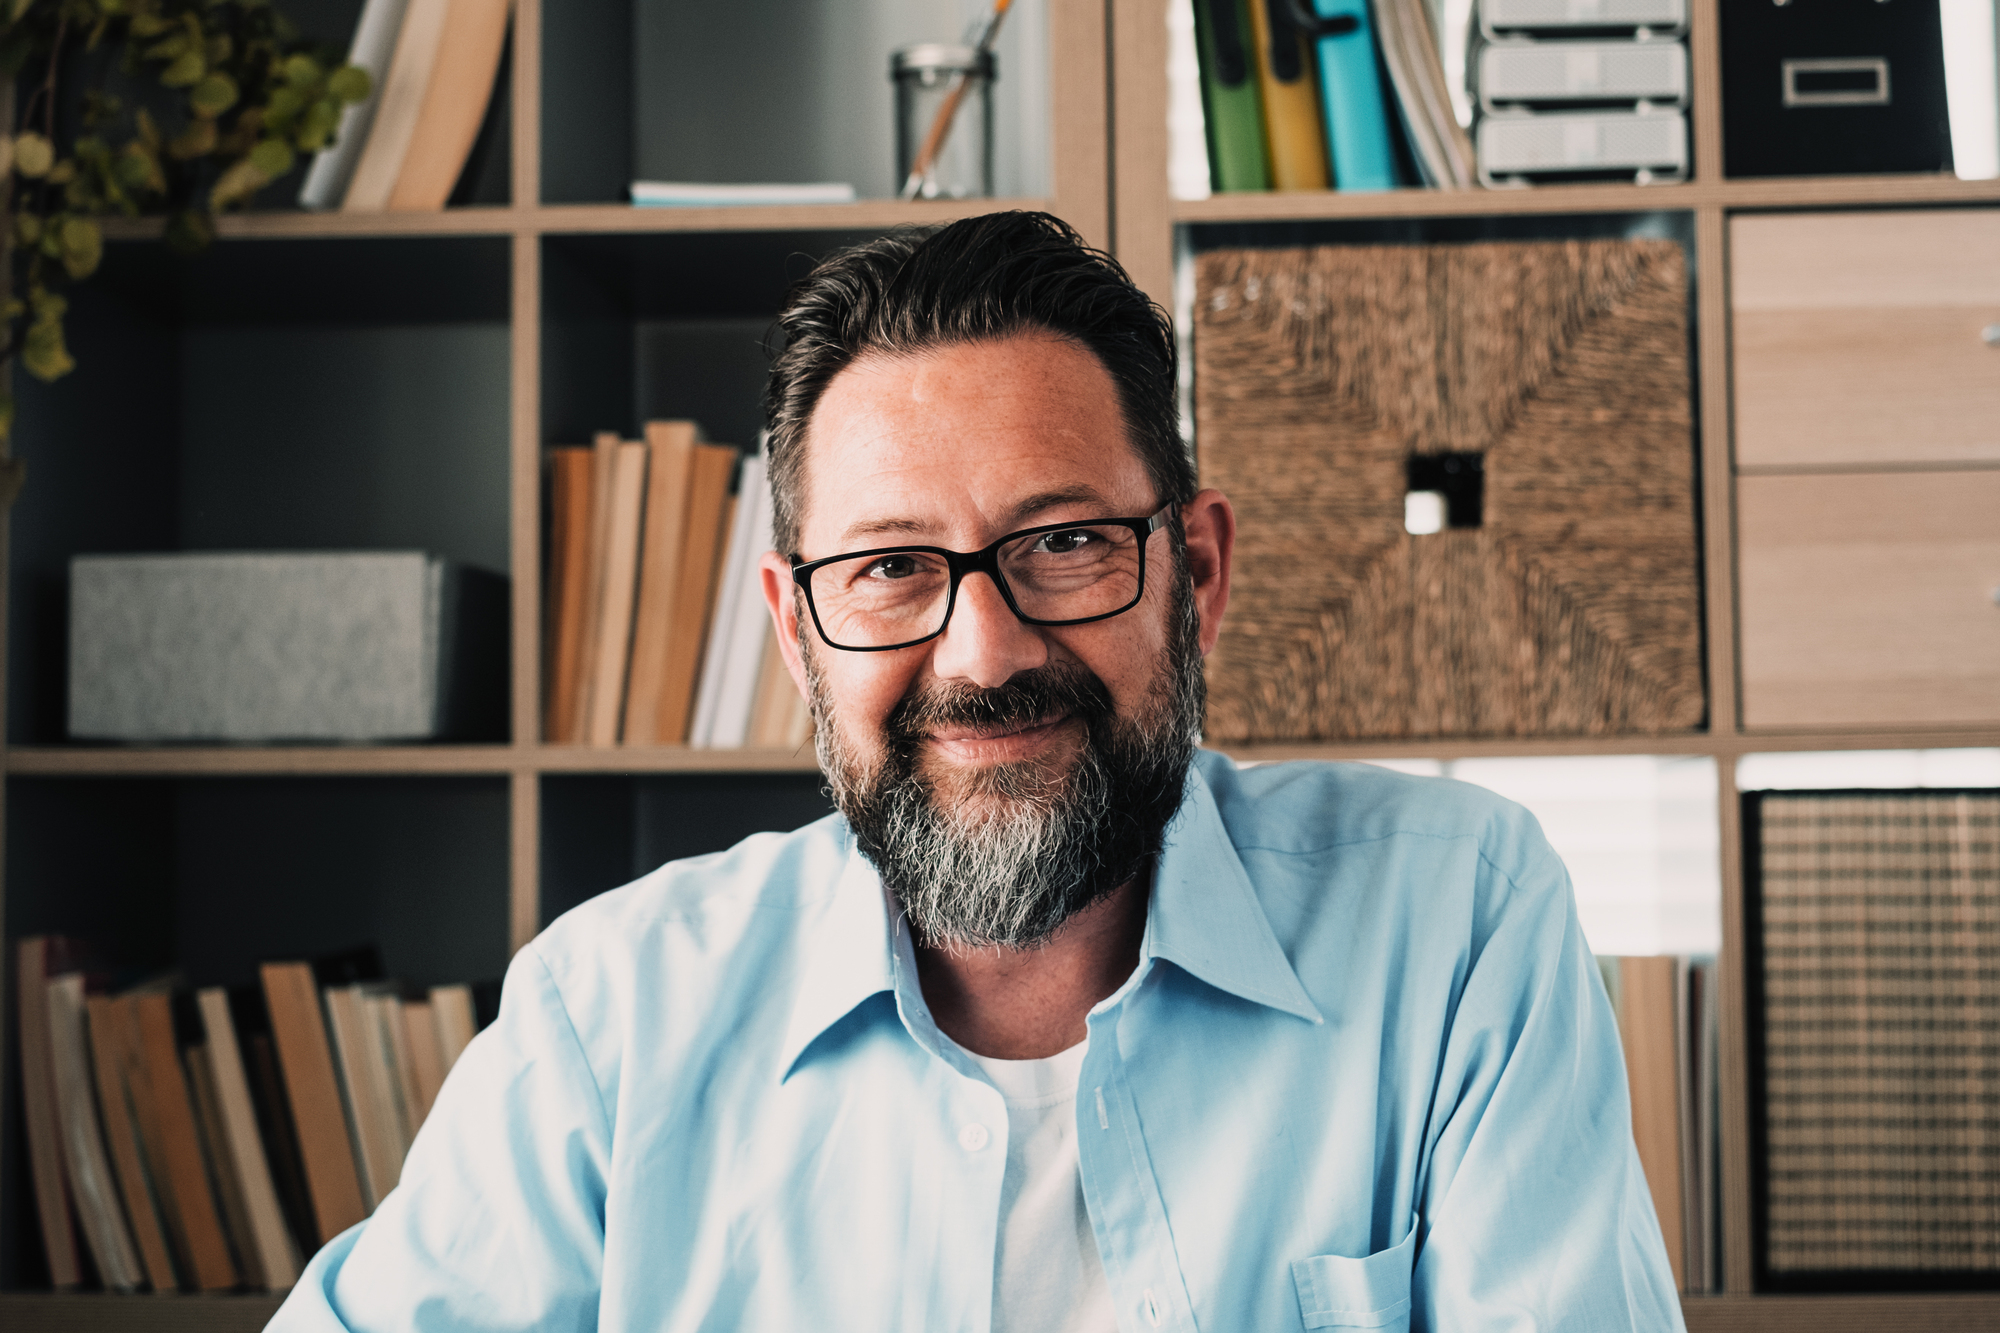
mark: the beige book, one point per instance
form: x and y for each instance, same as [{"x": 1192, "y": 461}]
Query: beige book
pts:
[
  {"x": 461, "y": 86},
  {"x": 221, "y": 1165},
  {"x": 91, "y": 1181},
  {"x": 770, "y": 714},
  {"x": 376, "y": 1134},
  {"x": 620, "y": 586},
  {"x": 385, "y": 1026},
  {"x": 403, "y": 93},
  {"x": 38, "y": 1093},
  {"x": 114, "y": 1049},
  {"x": 694, "y": 599},
  {"x": 193, "y": 1220},
  {"x": 1649, "y": 1033},
  {"x": 265, "y": 1237},
  {"x": 567, "y": 590},
  {"x": 420, "y": 1036},
  {"x": 603, "y": 468},
  {"x": 452, "y": 1008},
  {"x": 321, "y": 1113},
  {"x": 670, "y": 472}
]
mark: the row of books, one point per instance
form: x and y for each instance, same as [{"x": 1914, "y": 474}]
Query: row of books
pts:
[
  {"x": 433, "y": 64},
  {"x": 657, "y": 632},
  {"x": 211, "y": 1139},
  {"x": 1294, "y": 96},
  {"x": 1666, "y": 1008}
]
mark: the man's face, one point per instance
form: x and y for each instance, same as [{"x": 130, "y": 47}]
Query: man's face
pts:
[{"x": 988, "y": 733}]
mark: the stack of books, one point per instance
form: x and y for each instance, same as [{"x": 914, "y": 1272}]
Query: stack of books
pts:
[
  {"x": 212, "y": 1139},
  {"x": 1354, "y": 99},
  {"x": 1579, "y": 92},
  {"x": 1666, "y": 1009},
  {"x": 433, "y": 64},
  {"x": 657, "y": 631}
]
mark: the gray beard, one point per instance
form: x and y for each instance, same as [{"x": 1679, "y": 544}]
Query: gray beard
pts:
[{"x": 1006, "y": 855}]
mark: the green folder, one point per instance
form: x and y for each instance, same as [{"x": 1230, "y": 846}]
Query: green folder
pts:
[{"x": 1231, "y": 108}]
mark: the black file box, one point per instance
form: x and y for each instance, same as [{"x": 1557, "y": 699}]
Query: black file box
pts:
[{"x": 1833, "y": 88}]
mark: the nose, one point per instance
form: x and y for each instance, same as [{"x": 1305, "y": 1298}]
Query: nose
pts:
[{"x": 985, "y": 644}]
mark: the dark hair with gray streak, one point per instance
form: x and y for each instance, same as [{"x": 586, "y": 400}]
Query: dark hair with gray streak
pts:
[{"x": 986, "y": 277}]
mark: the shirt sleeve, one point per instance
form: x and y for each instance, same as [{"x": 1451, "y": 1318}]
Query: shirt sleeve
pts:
[
  {"x": 1534, "y": 1212},
  {"x": 498, "y": 1222}
]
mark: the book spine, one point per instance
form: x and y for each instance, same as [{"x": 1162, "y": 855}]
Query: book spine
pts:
[
  {"x": 320, "y": 1114},
  {"x": 83, "y": 1139},
  {"x": 374, "y": 45},
  {"x": 38, "y": 1093},
  {"x": 1357, "y": 112},
  {"x": 110, "y": 1052},
  {"x": 264, "y": 1218},
  {"x": 1291, "y": 106},
  {"x": 1232, "y": 111},
  {"x": 750, "y": 622}
]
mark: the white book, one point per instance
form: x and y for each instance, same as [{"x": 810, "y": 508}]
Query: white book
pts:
[
  {"x": 694, "y": 194},
  {"x": 374, "y": 44},
  {"x": 719, "y": 663},
  {"x": 90, "y": 1179},
  {"x": 750, "y": 627},
  {"x": 402, "y": 101}
]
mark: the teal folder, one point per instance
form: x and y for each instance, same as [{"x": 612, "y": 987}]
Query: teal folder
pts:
[
  {"x": 1229, "y": 102},
  {"x": 1357, "y": 111}
]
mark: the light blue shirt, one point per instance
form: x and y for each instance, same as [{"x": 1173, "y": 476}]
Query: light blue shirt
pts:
[{"x": 1364, "y": 1076}]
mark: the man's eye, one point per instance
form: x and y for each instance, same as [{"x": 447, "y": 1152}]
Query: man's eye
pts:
[
  {"x": 1068, "y": 542},
  {"x": 892, "y": 567}
]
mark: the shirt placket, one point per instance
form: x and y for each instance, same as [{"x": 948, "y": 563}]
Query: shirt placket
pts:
[{"x": 1121, "y": 1191}]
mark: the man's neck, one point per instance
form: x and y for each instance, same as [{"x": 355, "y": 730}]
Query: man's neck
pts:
[{"x": 1028, "y": 1004}]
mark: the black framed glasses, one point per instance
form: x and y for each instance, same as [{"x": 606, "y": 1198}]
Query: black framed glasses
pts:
[{"x": 1055, "y": 574}]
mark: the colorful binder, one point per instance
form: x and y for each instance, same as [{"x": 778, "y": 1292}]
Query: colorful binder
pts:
[
  {"x": 1291, "y": 106},
  {"x": 1230, "y": 105},
  {"x": 1357, "y": 114}
]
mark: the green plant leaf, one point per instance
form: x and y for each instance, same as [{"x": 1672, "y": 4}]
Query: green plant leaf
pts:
[
  {"x": 273, "y": 157},
  {"x": 33, "y": 154},
  {"x": 43, "y": 351},
  {"x": 186, "y": 69},
  {"x": 215, "y": 94},
  {"x": 6, "y": 415},
  {"x": 237, "y": 184},
  {"x": 194, "y": 141},
  {"x": 82, "y": 247},
  {"x": 318, "y": 125},
  {"x": 350, "y": 83},
  {"x": 302, "y": 69},
  {"x": 27, "y": 229}
]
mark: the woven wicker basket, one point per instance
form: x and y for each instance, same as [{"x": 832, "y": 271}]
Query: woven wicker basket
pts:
[{"x": 1572, "y": 609}]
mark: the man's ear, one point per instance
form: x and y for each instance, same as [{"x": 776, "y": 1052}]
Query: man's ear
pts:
[
  {"x": 1210, "y": 524},
  {"x": 781, "y": 597}
]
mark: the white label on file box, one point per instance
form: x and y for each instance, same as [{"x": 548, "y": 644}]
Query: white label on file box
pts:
[
  {"x": 1580, "y": 143},
  {"x": 1583, "y": 71}
]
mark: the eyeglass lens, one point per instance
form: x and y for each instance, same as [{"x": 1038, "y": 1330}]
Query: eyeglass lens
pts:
[{"x": 900, "y": 596}]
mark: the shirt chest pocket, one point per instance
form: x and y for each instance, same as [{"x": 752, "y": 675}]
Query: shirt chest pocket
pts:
[{"x": 1338, "y": 1292}]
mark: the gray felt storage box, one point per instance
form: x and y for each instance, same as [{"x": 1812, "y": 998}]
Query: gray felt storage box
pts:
[{"x": 338, "y": 646}]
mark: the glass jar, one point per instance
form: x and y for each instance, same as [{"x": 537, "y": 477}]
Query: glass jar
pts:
[{"x": 925, "y": 76}]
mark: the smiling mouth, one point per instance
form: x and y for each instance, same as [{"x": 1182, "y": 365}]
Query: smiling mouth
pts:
[{"x": 977, "y": 741}]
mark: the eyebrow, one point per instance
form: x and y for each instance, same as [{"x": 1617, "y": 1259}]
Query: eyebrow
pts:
[{"x": 1021, "y": 514}]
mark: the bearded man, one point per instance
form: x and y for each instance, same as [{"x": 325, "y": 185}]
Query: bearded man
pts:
[{"x": 1058, "y": 1024}]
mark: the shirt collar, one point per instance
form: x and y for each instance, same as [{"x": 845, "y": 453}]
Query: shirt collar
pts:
[
  {"x": 853, "y": 957},
  {"x": 1203, "y": 916}
]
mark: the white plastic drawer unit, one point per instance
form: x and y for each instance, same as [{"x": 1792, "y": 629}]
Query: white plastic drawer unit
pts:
[
  {"x": 1556, "y": 73},
  {"x": 1870, "y": 598},
  {"x": 1866, "y": 339},
  {"x": 1498, "y": 16}
]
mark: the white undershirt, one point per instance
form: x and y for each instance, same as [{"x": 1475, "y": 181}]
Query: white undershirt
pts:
[{"x": 1049, "y": 1278}]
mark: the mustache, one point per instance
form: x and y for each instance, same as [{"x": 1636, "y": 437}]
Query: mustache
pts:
[{"x": 1056, "y": 690}]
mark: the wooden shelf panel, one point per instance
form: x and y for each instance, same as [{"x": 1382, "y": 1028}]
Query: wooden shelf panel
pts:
[
  {"x": 252, "y": 760},
  {"x": 1785, "y": 192},
  {"x": 1914, "y": 1313},
  {"x": 44, "y": 1313},
  {"x": 498, "y": 760},
  {"x": 41, "y": 1312},
  {"x": 863, "y": 215}
]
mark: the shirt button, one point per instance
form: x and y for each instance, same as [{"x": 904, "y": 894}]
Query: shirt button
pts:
[
  {"x": 1150, "y": 1308},
  {"x": 973, "y": 1137}
]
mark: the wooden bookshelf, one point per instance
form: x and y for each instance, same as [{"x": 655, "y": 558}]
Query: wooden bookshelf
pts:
[{"x": 497, "y": 329}]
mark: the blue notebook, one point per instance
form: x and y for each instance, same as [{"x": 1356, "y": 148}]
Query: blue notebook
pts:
[{"x": 1357, "y": 114}]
